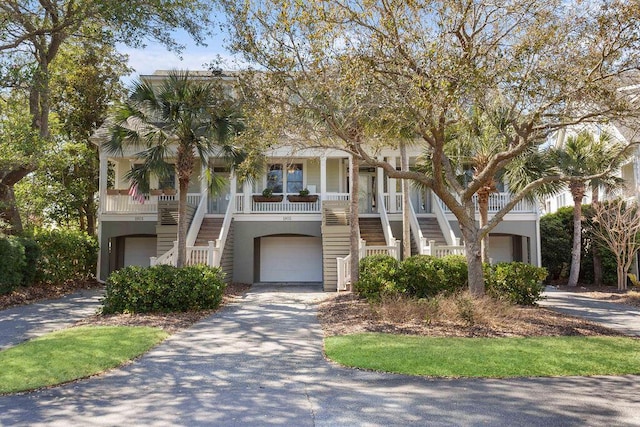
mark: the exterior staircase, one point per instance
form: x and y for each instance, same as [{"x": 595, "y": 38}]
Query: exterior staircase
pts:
[
  {"x": 431, "y": 230},
  {"x": 335, "y": 240},
  {"x": 371, "y": 231},
  {"x": 209, "y": 230}
]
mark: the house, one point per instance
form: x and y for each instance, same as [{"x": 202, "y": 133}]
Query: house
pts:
[{"x": 287, "y": 237}]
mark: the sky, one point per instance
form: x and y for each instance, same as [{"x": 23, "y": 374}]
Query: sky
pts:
[{"x": 156, "y": 57}]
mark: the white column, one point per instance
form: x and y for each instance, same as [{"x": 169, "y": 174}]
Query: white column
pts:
[
  {"x": 102, "y": 200},
  {"x": 350, "y": 175},
  {"x": 323, "y": 178},
  {"x": 247, "y": 190},
  {"x": 380, "y": 184},
  {"x": 233, "y": 186},
  {"x": 392, "y": 187},
  {"x": 102, "y": 181},
  {"x": 203, "y": 177}
]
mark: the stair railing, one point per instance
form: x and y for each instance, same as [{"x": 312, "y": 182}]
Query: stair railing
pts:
[
  {"x": 416, "y": 231},
  {"x": 224, "y": 232},
  {"x": 393, "y": 245},
  {"x": 449, "y": 236},
  {"x": 198, "y": 216}
]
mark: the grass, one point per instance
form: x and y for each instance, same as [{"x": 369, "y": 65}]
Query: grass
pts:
[
  {"x": 72, "y": 353},
  {"x": 487, "y": 357}
]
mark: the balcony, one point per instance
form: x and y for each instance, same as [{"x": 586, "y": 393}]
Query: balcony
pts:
[
  {"x": 246, "y": 203},
  {"x": 143, "y": 204}
]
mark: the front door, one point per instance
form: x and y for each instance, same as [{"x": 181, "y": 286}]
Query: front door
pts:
[
  {"x": 367, "y": 192},
  {"x": 219, "y": 200}
]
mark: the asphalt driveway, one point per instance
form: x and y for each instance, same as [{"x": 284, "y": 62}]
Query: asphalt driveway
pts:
[{"x": 259, "y": 362}]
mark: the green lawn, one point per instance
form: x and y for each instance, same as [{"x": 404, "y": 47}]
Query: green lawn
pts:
[
  {"x": 487, "y": 357},
  {"x": 71, "y": 354}
]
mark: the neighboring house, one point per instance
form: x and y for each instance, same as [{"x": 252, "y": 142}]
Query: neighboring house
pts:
[{"x": 287, "y": 238}]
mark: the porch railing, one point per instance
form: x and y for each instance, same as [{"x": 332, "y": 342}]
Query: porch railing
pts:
[
  {"x": 207, "y": 255},
  {"x": 283, "y": 206},
  {"x": 497, "y": 201},
  {"x": 145, "y": 203},
  {"x": 344, "y": 263},
  {"x": 441, "y": 251}
]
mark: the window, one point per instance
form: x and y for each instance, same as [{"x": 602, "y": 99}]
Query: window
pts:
[
  {"x": 287, "y": 178},
  {"x": 294, "y": 178},
  {"x": 168, "y": 181},
  {"x": 274, "y": 178}
]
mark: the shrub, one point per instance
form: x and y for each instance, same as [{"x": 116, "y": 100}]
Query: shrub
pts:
[
  {"x": 12, "y": 264},
  {"x": 32, "y": 255},
  {"x": 378, "y": 275},
  {"x": 163, "y": 288},
  {"x": 66, "y": 254},
  {"x": 516, "y": 282},
  {"x": 425, "y": 276}
]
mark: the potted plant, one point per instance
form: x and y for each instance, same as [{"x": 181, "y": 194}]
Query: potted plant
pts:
[
  {"x": 169, "y": 191},
  {"x": 155, "y": 192},
  {"x": 123, "y": 191},
  {"x": 303, "y": 196},
  {"x": 113, "y": 191},
  {"x": 268, "y": 196}
]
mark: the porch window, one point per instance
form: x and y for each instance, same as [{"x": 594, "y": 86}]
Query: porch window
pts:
[
  {"x": 294, "y": 178},
  {"x": 274, "y": 178},
  {"x": 168, "y": 181}
]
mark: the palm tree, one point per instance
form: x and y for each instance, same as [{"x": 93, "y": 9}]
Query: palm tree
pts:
[
  {"x": 179, "y": 118},
  {"x": 583, "y": 156}
]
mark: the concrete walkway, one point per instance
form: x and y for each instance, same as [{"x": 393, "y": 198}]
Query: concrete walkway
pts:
[
  {"x": 21, "y": 323},
  {"x": 623, "y": 318},
  {"x": 259, "y": 362}
]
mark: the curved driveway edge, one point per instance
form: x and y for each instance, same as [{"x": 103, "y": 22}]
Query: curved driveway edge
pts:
[
  {"x": 259, "y": 362},
  {"x": 18, "y": 324},
  {"x": 621, "y": 317}
]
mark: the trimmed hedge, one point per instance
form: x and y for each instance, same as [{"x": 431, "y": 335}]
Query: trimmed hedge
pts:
[
  {"x": 420, "y": 276},
  {"x": 378, "y": 274},
  {"x": 12, "y": 264},
  {"x": 66, "y": 254},
  {"x": 516, "y": 282},
  {"x": 424, "y": 276},
  {"x": 163, "y": 288}
]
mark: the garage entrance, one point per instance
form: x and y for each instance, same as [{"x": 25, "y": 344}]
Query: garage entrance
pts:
[{"x": 290, "y": 259}]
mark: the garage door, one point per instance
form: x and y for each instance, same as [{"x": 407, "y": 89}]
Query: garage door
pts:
[
  {"x": 138, "y": 250},
  {"x": 291, "y": 259}
]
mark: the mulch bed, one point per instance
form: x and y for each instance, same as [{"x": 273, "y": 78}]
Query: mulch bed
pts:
[{"x": 345, "y": 313}]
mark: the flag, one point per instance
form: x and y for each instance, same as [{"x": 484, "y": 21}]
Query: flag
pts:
[{"x": 133, "y": 192}]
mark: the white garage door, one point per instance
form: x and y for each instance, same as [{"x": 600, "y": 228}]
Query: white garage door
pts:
[
  {"x": 138, "y": 250},
  {"x": 501, "y": 249},
  {"x": 291, "y": 259}
]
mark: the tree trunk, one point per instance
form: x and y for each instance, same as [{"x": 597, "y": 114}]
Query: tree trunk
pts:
[
  {"x": 622, "y": 277},
  {"x": 577, "y": 192},
  {"x": 406, "y": 223},
  {"x": 597, "y": 259},
  {"x": 354, "y": 241},
  {"x": 9, "y": 214},
  {"x": 182, "y": 222},
  {"x": 474, "y": 262},
  {"x": 483, "y": 208}
]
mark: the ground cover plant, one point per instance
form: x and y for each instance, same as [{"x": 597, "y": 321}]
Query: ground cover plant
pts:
[
  {"x": 73, "y": 353},
  {"x": 487, "y": 357}
]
